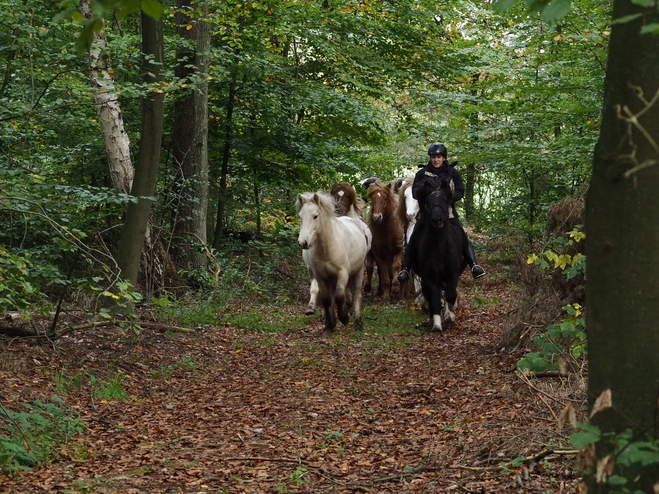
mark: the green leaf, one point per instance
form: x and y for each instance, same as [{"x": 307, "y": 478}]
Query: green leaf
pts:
[
  {"x": 626, "y": 18},
  {"x": 650, "y": 28},
  {"x": 126, "y": 8},
  {"x": 152, "y": 8},
  {"x": 583, "y": 438},
  {"x": 556, "y": 10},
  {"x": 616, "y": 480},
  {"x": 504, "y": 5}
]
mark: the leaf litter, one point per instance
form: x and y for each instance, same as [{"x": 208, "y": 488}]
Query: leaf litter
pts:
[{"x": 230, "y": 411}]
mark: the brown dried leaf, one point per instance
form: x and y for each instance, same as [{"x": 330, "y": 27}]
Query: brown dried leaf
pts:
[
  {"x": 567, "y": 416},
  {"x": 605, "y": 468},
  {"x": 602, "y": 402}
]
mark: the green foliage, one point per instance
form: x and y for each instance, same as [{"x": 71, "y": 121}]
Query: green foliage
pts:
[
  {"x": 110, "y": 389},
  {"x": 627, "y": 451},
  {"x": 570, "y": 334},
  {"x": 567, "y": 336},
  {"x": 33, "y": 437},
  {"x": 323, "y": 92},
  {"x": 18, "y": 288},
  {"x": 266, "y": 319},
  {"x": 553, "y": 258}
]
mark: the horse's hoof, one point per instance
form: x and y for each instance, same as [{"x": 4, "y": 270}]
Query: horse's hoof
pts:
[
  {"x": 309, "y": 312},
  {"x": 359, "y": 323}
]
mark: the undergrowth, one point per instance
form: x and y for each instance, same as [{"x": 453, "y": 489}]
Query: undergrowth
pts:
[{"x": 35, "y": 436}]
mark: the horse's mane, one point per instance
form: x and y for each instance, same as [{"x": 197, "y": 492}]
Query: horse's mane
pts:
[
  {"x": 325, "y": 201},
  {"x": 388, "y": 192},
  {"x": 444, "y": 188},
  {"x": 349, "y": 190},
  {"x": 401, "y": 207}
]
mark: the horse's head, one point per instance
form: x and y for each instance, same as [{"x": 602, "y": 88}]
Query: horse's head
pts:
[
  {"x": 314, "y": 209},
  {"x": 411, "y": 204},
  {"x": 382, "y": 201},
  {"x": 438, "y": 204},
  {"x": 347, "y": 202}
]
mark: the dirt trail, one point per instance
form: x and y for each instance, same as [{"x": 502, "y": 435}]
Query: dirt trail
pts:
[{"x": 231, "y": 412}]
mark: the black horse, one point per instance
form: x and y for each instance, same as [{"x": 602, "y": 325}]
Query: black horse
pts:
[{"x": 438, "y": 254}]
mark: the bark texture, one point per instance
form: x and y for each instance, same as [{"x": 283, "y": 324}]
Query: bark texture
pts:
[
  {"x": 108, "y": 109},
  {"x": 191, "y": 140},
  {"x": 146, "y": 169},
  {"x": 623, "y": 263}
]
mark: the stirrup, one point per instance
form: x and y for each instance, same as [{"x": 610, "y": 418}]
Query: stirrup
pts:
[
  {"x": 404, "y": 276},
  {"x": 477, "y": 271}
]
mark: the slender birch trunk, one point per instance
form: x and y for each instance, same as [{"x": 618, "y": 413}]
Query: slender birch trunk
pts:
[{"x": 108, "y": 109}]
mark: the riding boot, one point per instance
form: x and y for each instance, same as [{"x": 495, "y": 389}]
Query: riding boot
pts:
[
  {"x": 470, "y": 256},
  {"x": 404, "y": 275}
]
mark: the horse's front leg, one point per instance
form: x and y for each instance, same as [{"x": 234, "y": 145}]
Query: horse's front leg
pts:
[
  {"x": 450, "y": 303},
  {"x": 355, "y": 286},
  {"x": 340, "y": 296},
  {"x": 385, "y": 272},
  {"x": 313, "y": 297},
  {"x": 396, "y": 288},
  {"x": 370, "y": 265},
  {"x": 433, "y": 297},
  {"x": 327, "y": 300}
]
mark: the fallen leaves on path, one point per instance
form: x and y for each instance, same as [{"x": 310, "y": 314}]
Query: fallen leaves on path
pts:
[{"x": 223, "y": 410}]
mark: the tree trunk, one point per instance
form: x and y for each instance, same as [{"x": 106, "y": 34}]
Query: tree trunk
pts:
[
  {"x": 226, "y": 155},
  {"x": 110, "y": 117},
  {"x": 191, "y": 141},
  {"x": 470, "y": 179},
  {"x": 623, "y": 261},
  {"x": 148, "y": 160}
]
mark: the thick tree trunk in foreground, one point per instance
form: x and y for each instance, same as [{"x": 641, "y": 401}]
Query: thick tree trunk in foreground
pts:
[
  {"x": 191, "y": 141},
  {"x": 622, "y": 220},
  {"x": 146, "y": 168}
]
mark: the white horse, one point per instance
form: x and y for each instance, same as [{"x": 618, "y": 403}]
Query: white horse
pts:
[
  {"x": 346, "y": 203},
  {"x": 334, "y": 249},
  {"x": 408, "y": 208}
]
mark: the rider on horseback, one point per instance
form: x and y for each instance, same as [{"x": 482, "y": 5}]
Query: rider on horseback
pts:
[{"x": 436, "y": 168}]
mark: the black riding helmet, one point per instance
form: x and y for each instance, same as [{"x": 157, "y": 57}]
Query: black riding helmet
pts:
[{"x": 437, "y": 148}]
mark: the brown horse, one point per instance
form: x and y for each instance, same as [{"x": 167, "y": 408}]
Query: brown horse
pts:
[
  {"x": 387, "y": 248},
  {"x": 347, "y": 202}
]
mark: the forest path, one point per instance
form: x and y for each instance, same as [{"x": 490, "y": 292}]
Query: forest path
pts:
[{"x": 228, "y": 411}]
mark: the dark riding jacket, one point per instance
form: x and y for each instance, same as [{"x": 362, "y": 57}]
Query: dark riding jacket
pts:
[{"x": 420, "y": 192}]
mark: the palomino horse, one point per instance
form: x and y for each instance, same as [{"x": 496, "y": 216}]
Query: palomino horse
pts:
[
  {"x": 438, "y": 255},
  {"x": 387, "y": 249},
  {"x": 337, "y": 248},
  {"x": 346, "y": 203}
]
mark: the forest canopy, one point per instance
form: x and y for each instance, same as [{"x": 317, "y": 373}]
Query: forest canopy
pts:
[{"x": 297, "y": 96}]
